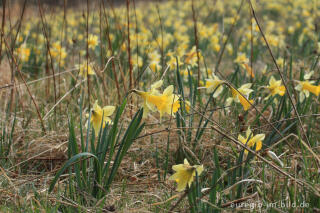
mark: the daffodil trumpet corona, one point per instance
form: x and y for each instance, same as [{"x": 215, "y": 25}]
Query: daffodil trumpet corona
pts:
[{"x": 100, "y": 116}]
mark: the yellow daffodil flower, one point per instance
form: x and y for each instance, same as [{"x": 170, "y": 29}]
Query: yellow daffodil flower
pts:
[
  {"x": 275, "y": 87},
  {"x": 23, "y": 52},
  {"x": 173, "y": 62},
  {"x": 20, "y": 38},
  {"x": 185, "y": 174},
  {"x": 136, "y": 60},
  {"x": 248, "y": 69},
  {"x": 251, "y": 141},
  {"x": 212, "y": 84},
  {"x": 229, "y": 49},
  {"x": 58, "y": 52},
  {"x": 92, "y": 41},
  {"x": 100, "y": 115},
  {"x": 155, "y": 61},
  {"x": 241, "y": 58},
  {"x": 185, "y": 74},
  {"x": 243, "y": 61},
  {"x": 187, "y": 105},
  {"x": 244, "y": 90},
  {"x": 191, "y": 57},
  {"x": 280, "y": 62},
  {"x": 147, "y": 106},
  {"x": 165, "y": 103},
  {"x": 306, "y": 86},
  {"x": 83, "y": 70}
]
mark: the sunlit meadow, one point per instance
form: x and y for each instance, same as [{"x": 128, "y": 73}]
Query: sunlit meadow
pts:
[{"x": 160, "y": 106}]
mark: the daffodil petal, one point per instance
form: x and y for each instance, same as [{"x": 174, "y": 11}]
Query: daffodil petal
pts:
[{"x": 108, "y": 110}]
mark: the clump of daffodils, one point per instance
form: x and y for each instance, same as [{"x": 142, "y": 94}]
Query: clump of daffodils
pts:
[
  {"x": 275, "y": 88},
  {"x": 238, "y": 98},
  {"x": 100, "y": 116},
  {"x": 306, "y": 86},
  {"x": 250, "y": 140},
  {"x": 185, "y": 174},
  {"x": 165, "y": 103}
]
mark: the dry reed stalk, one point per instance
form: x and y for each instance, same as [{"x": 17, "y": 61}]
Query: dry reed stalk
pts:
[
  {"x": 45, "y": 32},
  {"x": 87, "y": 52},
  {"x": 2, "y": 25},
  {"x": 194, "y": 18},
  {"x": 111, "y": 50},
  {"x": 129, "y": 54}
]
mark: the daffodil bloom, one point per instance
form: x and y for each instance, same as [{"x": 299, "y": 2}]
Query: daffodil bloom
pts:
[
  {"x": 165, "y": 103},
  {"x": 251, "y": 141},
  {"x": 245, "y": 91},
  {"x": 155, "y": 61},
  {"x": 280, "y": 62},
  {"x": 248, "y": 69},
  {"x": 185, "y": 174},
  {"x": 100, "y": 116},
  {"x": 187, "y": 105},
  {"x": 229, "y": 49},
  {"x": 84, "y": 71},
  {"x": 275, "y": 87},
  {"x": 173, "y": 62},
  {"x": 191, "y": 57},
  {"x": 209, "y": 71},
  {"x": 182, "y": 48},
  {"x": 212, "y": 84},
  {"x": 92, "y": 41},
  {"x": 241, "y": 58},
  {"x": 306, "y": 86},
  {"x": 147, "y": 106},
  {"x": 20, "y": 38},
  {"x": 136, "y": 60},
  {"x": 24, "y": 52},
  {"x": 243, "y": 61},
  {"x": 58, "y": 52},
  {"x": 185, "y": 73}
]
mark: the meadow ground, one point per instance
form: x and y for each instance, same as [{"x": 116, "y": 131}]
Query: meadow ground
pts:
[{"x": 160, "y": 106}]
